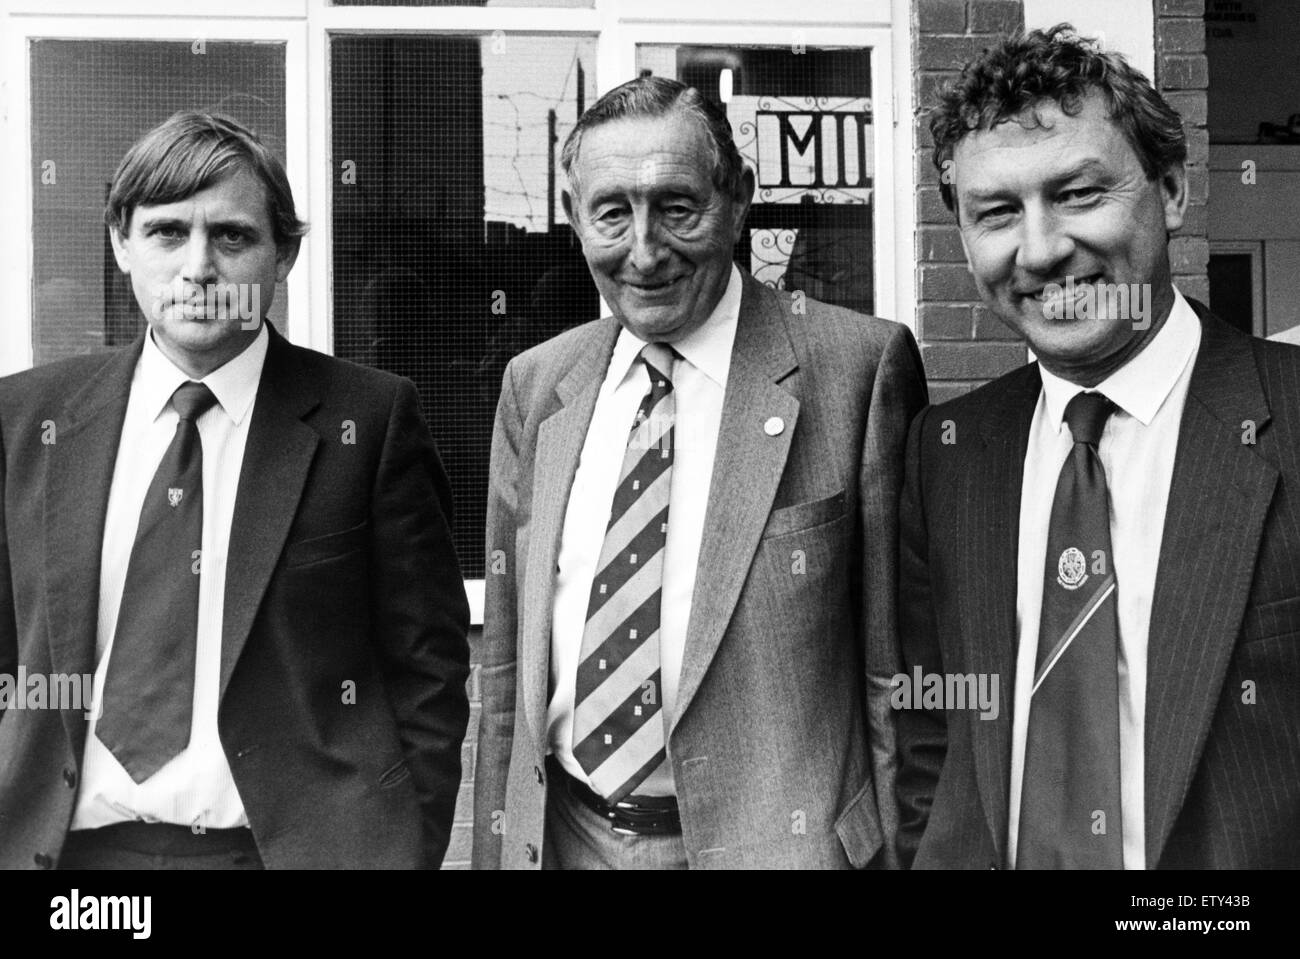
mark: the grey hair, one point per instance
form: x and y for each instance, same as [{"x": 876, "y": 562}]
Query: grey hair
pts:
[{"x": 651, "y": 96}]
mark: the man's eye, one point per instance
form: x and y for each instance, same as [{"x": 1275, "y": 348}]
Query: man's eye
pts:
[
  {"x": 610, "y": 215},
  {"x": 166, "y": 232},
  {"x": 232, "y": 237},
  {"x": 1081, "y": 193},
  {"x": 678, "y": 210},
  {"x": 994, "y": 213}
]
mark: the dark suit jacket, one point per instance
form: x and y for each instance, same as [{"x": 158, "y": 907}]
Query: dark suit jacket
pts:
[
  {"x": 1222, "y": 781},
  {"x": 341, "y": 569},
  {"x": 788, "y": 651}
]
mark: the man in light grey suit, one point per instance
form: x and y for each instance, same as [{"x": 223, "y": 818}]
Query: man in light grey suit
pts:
[{"x": 691, "y": 538}]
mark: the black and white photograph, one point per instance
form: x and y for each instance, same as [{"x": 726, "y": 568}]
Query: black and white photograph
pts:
[{"x": 645, "y": 435}]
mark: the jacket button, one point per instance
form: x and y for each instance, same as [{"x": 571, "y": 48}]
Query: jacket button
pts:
[
  {"x": 70, "y": 778},
  {"x": 531, "y": 852},
  {"x": 541, "y": 780},
  {"x": 42, "y": 860}
]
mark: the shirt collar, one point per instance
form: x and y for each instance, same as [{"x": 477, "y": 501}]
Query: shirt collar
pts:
[
  {"x": 234, "y": 384},
  {"x": 1141, "y": 386},
  {"x": 707, "y": 347}
]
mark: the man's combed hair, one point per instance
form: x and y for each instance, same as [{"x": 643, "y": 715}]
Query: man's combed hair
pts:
[
  {"x": 1025, "y": 70},
  {"x": 189, "y": 152},
  {"x": 652, "y": 96}
]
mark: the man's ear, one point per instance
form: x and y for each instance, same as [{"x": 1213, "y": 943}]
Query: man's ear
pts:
[
  {"x": 120, "y": 249},
  {"x": 286, "y": 254},
  {"x": 570, "y": 211},
  {"x": 1173, "y": 191},
  {"x": 742, "y": 201}
]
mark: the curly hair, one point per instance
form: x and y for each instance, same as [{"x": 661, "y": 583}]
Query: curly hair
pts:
[{"x": 1026, "y": 69}]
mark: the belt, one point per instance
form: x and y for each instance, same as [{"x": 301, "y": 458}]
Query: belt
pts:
[
  {"x": 633, "y": 816},
  {"x": 165, "y": 839}
]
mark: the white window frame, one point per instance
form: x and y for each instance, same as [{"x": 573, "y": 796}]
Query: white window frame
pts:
[
  {"x": 17, "y": 266},
  {"x": 306, "y": 26}
]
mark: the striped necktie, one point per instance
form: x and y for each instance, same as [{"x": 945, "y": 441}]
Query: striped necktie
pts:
[
  {"x": 1070, "y": 806},
  {"x": 618, "y": 730}
]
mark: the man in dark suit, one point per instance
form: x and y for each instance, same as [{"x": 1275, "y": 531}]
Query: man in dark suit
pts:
[
  {"x": 242, "y": 544},
  {"x": 691, "y": 535},
  {"x": 1112, "y": 529}
]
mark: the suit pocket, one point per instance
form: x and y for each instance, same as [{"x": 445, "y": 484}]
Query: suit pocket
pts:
[
  {"x": 791, "y": 519},
  {"x": 320, "y": 548},
  {"x": 1268, "y": 620},
  {"x": 859, "y": 827}
]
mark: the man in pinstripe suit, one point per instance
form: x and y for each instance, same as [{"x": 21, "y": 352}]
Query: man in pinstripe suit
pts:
[{"x": 1110, "y": 530}]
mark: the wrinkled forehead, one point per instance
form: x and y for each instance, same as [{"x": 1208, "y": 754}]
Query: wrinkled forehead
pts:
[{"x": 638, "y": 155}]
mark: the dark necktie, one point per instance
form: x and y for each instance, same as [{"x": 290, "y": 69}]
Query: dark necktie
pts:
[
  {"x": 618, "y": 730},
  {"x": 1070, "y": 800},
  {"x": 149, "y": 689}
]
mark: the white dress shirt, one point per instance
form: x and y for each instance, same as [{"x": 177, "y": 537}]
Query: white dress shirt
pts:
[
  {"x": 195, "y": 787},
  {"x": 1137, "y": 449},
  {"x": 699, "y": 384}
]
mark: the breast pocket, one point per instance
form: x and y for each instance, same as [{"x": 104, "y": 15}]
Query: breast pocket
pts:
[
  {"x": 318, "y": 549},
  {"x": 1269, "y": 620},
  {"x": 801, "y": 516}
]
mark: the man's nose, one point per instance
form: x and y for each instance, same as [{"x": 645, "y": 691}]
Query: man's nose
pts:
[
  {"x": 1044, "y": 244},
  {"x": 199, "y": 266},
  {"x": 648, "y": 249}
]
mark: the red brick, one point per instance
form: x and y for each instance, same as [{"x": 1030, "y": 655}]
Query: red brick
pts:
[
  {"x": 1198, "y": 147},
  {"x": 924, "y": 140},
  {"x": 941, "y": 244},
  {"x": 945, "y": 390},
  {"x": 941, "y": 16},
  {"x": 1180, "y": 36},
  {"x": 1191, "y": 106},
  {"x": 1196, "y": 286},
  {"x": 948, "y": 53},
  {"x": 1002, "y": 17},
  {"x": 1184, "y": 72},
  {"x": 462, "y": 840},
  {"x": 1198, "y": 184},
  {"x": 942, "y": 283},
  {"x": 989, "y": 327},
  {"x": 930, "y": 207},
  {"x": 1180, "y": 8},
  {"x": 971, "y": 361},
  {"x": 1188, "y": 254},
  {"x": 468, "y": 753},
  {"x": 464, "y": 803},
  {"x": 1195, "y": 222},
  {"x": 472, "y": 685},
  {"x": 471, "y": 732},
  {"x": 945, "y": 322}
]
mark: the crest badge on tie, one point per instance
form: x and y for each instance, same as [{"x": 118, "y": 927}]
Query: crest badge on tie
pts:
[
  {"x": 174, "y": 496},
  {"x": 1071, "y": 569}
]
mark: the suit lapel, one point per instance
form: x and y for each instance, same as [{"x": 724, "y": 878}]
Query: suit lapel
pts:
[
  {"x": 747, "y": 470},
  {"x": 1219, "y": 497},
  {"x": 988, "y": 600},
  {"x": 82, "y": 459},
  {"x": 277, "y": 456},
  {"x": 560, "y": 438}
]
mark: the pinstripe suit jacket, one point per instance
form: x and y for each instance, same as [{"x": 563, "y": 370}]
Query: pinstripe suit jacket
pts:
[
  {"x": 791, "y": 639},
  {"x": 1222, "y": 725}
]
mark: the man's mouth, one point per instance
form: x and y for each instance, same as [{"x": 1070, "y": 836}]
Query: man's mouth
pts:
[
  {"x": 1060, "y": 289},
  {"x": 656, "y": 286}
]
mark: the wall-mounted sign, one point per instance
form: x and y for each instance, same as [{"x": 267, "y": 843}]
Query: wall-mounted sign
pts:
[
  {"x": 806, "y": 149},
  {"x": 1231, "y": 19}
]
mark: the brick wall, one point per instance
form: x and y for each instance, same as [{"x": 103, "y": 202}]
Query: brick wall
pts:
[
  {"x": 1182, "y": 76},
  {"x": 962, "y": 343},
  {"x": 462, "y": 827}
]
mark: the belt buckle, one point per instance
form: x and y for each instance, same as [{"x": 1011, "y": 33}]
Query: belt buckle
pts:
[{"x": 615, "y": 818}]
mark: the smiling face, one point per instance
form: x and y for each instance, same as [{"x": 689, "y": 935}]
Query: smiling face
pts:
[
  {"x": 199, "y": 266},
  {"x": 1068, "y": 199},
  {"x": 656, "y": 233}
]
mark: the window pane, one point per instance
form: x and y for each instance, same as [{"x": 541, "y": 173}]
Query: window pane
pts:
[
  {"x": 451, "y": 249},
  {"x": 802, "y": 118},
  {"x": 91, "y": 99}
]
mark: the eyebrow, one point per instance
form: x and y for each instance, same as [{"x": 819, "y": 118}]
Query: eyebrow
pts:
[
  {"x": 1082, "y": 168},
  {"x": 227, "y": 223}
]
